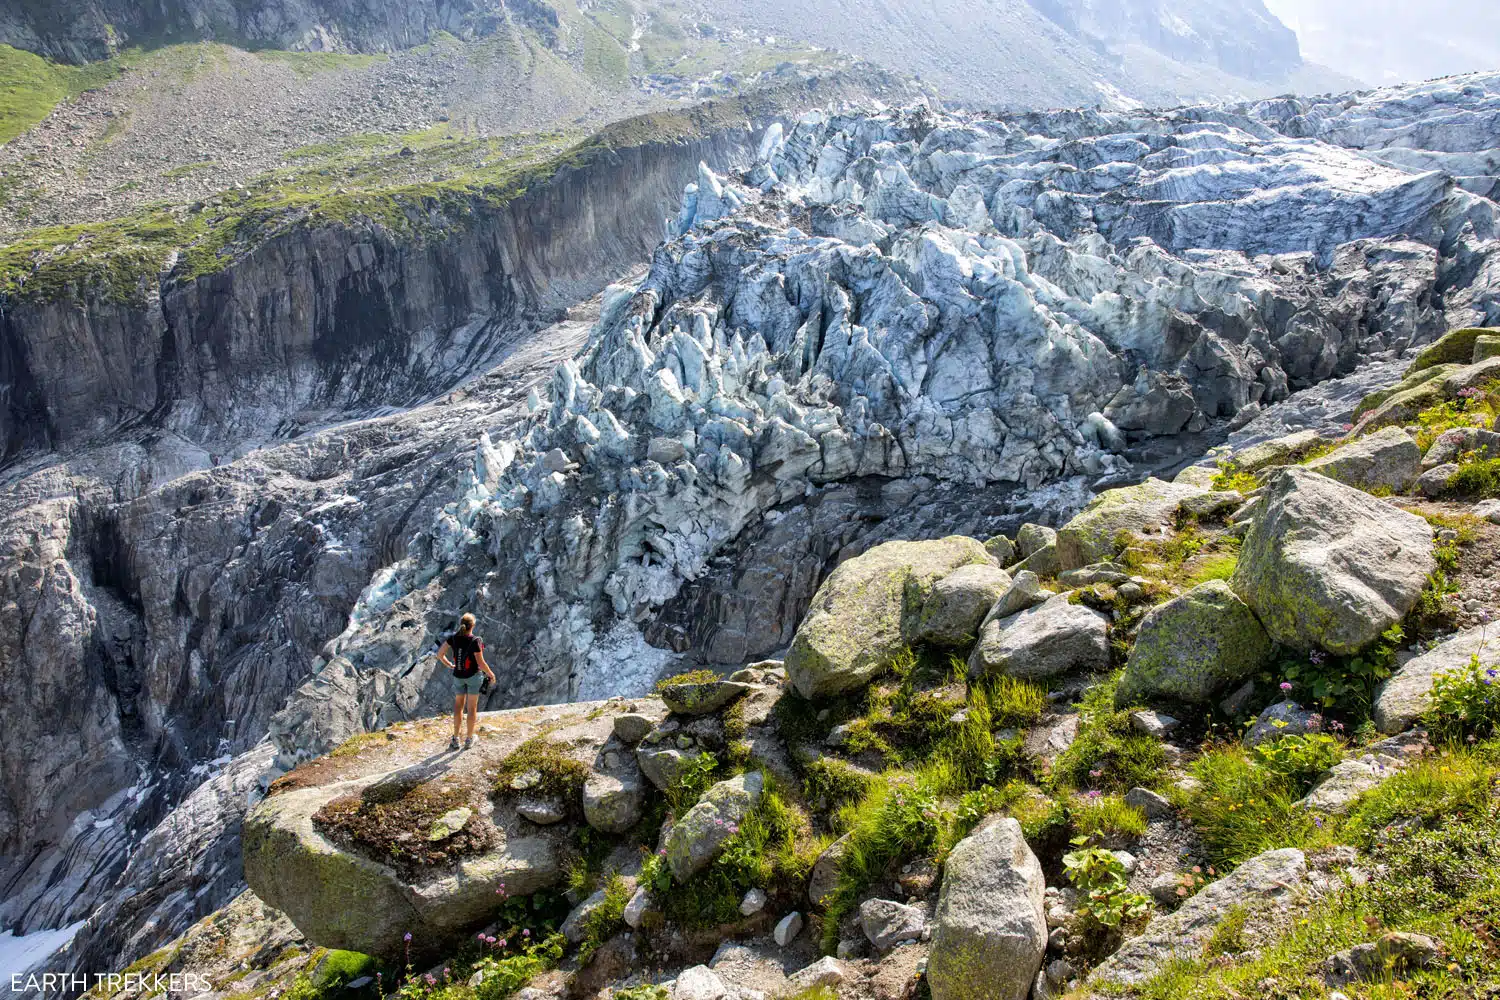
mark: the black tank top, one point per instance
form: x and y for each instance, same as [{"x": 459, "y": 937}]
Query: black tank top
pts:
[{"x": 466, "y": 650}]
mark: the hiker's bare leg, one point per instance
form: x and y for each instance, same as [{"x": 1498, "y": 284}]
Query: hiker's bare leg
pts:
[
  {"x": 473, "y": 707},
  {"x": 458, "y": 713}
]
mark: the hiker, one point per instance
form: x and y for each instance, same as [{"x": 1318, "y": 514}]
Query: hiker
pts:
[{"x": 467, "y": 650}]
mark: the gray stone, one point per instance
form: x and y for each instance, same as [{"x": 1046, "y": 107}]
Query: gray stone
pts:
[
  {"x": 1436, "y": 481},
  {"x": 1388, "y": 459},
  {"x": 1001, "y": 549},
  {"x": 1192, "y": 646},
  {"x": 1153, "y": 723},
  {"x": 1211, "y": 506},
  {"x": 825, "y": 874},
  {"x": 1394, "y": 955},
  {"x": 1451, "y": 446},
  {"x": 1086, "y": 576},
  {"x": 1043, "y": 562},
  {"x": 1487, "y": 510},
  {"x": 753, "y": 903},
  {"x": 1032, "y": 538},
  {"x": 631, "y": 728},
  {"x": 1358, "y": 773},
  {"x": 665, "y": 450},
  {"x": 637, "y": 908},
  {"x": 1326, "y": 566},
  {"x": 1164, "y": 888},
  {"x": 1258, "y": 885},
  {"x": 574, "y": 927},
  {"x": 990, "y": 925},
  {"x": 887, "y": 923},
  {"x": 1025, "y": 591},
  {"x": 700, "y": 835},
  {"x": 1278, "y": 451},
  {"x": 663, "y": 766},
  {"x": 826, "y": 971},
  {"x": 701, "y": 983},
  {"x": 1285, "y": 718},
  {"x": 787, "y": 929},
  {"x": 614, "y": 801},
  {"x": 1238, "y": 700},
  {"x": 1152, "y": 804},
  {"x": 700, "y": 698},
  {"x": 1051, "y": 639},
  {"x": 542, "y": 811},
  {"x": 1406, "y": 694},
  {"x": 958, "y": 604}
]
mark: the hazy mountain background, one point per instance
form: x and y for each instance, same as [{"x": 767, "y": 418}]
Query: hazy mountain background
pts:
[{"x": 1394, "y": 41}]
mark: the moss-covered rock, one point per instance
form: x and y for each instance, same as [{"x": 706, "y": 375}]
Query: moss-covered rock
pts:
[
  {"x": 1277, "y": 451},
  {"x": 868, "y": 610},
  {"x": 959, "y": 603},
  {"x": 699, "y": 837},
  {"x": 1388, "y": 459},
  {"x": 341, "y": 899},
  {"x": 1192, "y": 646},
  {"x": 1486, "y": 346},
  {"x": 1093, "y": 536},
  {"x": 1326, "y": 566},
  {"x": 1454, "y": 347},
  {"x": 700, "y": 698}
]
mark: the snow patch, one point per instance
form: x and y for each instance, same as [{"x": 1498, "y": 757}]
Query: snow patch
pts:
[{"x": 17, "y": 954}]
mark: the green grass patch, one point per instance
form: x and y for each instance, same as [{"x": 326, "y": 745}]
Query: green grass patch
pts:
[
  {"x": 30, "y": 87},
  {"x": 307, "y": 64},
  {"x": 552, "y": 772},
  {"x": 1242, "y": 810},
  {"x": 1108, "y": 753},
  {"x": 691, "y": 677},
  {"x": 1102, "y": 817}
]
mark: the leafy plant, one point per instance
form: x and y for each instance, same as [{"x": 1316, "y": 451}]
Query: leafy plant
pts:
[
  {"x": 1465, "y": 702},
  {"x": 1346, "y": 683},
  {"x": 697, "y": 774},
  {"x": 1300, "y": 758},
  {"x": 1105, "y": 898}
]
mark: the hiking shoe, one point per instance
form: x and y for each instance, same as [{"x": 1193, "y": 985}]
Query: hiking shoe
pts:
[
  {"x": 468, "y": 742},
  {"x": 453, "y": 743}
]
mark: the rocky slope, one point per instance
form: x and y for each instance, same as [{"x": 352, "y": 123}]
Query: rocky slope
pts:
[
  {"x": 965, "y": 771},
  {"x": 892, "y": 324}
]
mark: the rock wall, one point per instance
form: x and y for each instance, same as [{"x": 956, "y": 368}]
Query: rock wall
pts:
[{"x": 85, "y": 30}]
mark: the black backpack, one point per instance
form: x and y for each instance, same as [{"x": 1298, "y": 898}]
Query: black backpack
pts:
[{"x": 465, "y": 655}]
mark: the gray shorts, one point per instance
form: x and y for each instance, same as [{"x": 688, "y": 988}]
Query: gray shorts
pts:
[{"x": 467, "y": 685}]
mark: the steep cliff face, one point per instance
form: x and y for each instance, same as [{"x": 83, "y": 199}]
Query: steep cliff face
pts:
[
  {"x": 86, "y": 30},
  {"x": 163, "y": 601}
]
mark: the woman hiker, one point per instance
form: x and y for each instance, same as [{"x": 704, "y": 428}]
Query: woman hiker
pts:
[{"x": 467, "y": 650}]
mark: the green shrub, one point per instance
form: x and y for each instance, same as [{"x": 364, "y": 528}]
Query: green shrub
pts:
[
  {"x": 697, "y": 775},
  {"x": 894, "y": 823},
  {"x": 1478, "y": 479},
  {"x": 1465, "y": 702},
  {"x": 1011, "y": 701},
  {"x": 829, "y": 783},
  {"x": 1345, "y": 683},
  {"x": 1301, "y": 758},
  {"x": 502, "y": 976},
  {"x": 1104, "y": 897},
  {"x": 1228, "y": 937}
]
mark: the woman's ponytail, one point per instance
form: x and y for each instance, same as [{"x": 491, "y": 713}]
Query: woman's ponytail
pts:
[{"x": 466, "y": 625}]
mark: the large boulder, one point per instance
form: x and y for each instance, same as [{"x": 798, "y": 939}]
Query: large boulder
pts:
[
  {"x": 868, "y": 610},
  {"x": 990, "y": 929},
  {"x": 700, "y": 698},
  {"x": 1258, "y": 886},
  {"x": 1388, "y": 459},
  {"x": 1406, "y": 695},
  {"x": 614, "y": 796},
  {"x": 1093, "y": 536},
  {"x": 1194, "y": 645},
  {"x": 699, "y": 837},
  {"x": 341, "y": 898},
  {"x": 1156, "y": 403},
  {"x": 1453, "y": 347},
  {"x": 1327, "y": 566},
  {"x": 1055, "y": 637},
  {"x": 959, "y": 603}
]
